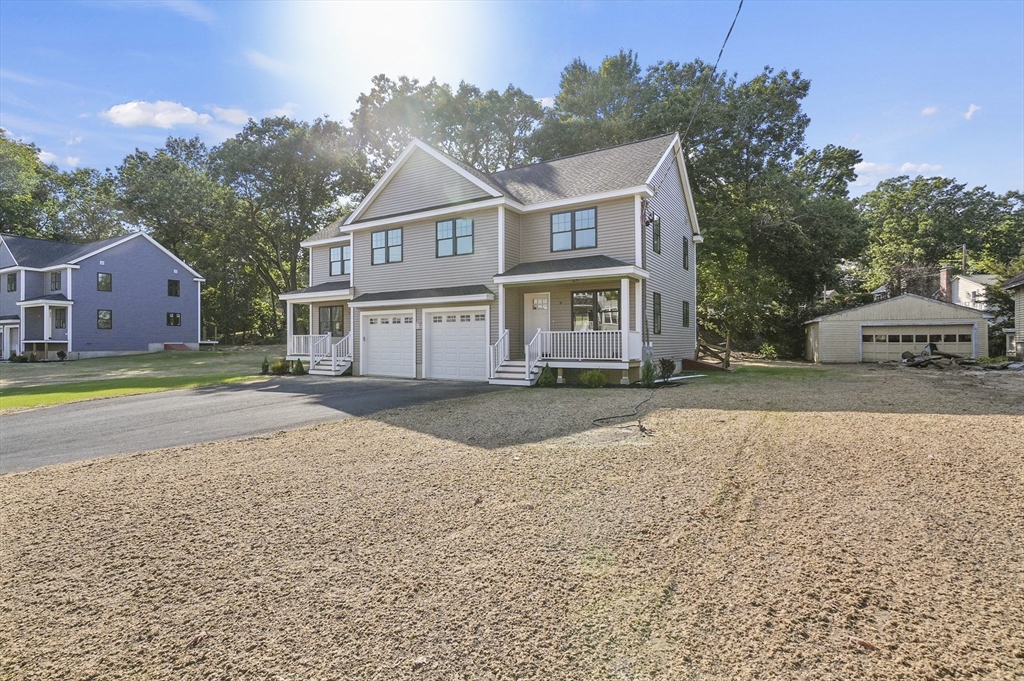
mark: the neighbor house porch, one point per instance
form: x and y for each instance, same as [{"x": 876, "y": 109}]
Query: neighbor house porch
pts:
[
  {"x": 324, "y": 338},
  {"x": 44, "y": 328}
]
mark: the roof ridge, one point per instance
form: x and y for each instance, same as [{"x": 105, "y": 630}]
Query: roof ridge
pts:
[{"x": 584, "y": 153}]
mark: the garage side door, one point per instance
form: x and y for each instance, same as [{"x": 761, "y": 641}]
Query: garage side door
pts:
[
  {"x": 882, "y": 343},
  {"x": 456, "y": 345},
  {"x": 390, "y": 345}
]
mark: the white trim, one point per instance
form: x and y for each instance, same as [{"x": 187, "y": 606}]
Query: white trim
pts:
[
  {"x": 426, "y": 214},
  {"x": 501, "y": 238},
  {"x": 344, "y": 293},
  {"x": 397, "y": 165},
  {"x": 199, "y": 312},
  {"x": 600, "y": 273},
  {"x": 638, "y": 234},
  {"x": 362, "y": 330},
  {"x": 3, "y": 242},
  {"x": 664, "y": 157},
  {"x": 624, "y": 306},
  {"x": 418, "y": 302},
  {"x": 309, "y": 266},
  {"x": 501, "y": 308},
  {"x": 643, "y": 190},
  {"x": 36, "y": 302},
  {"x": 69, "y": 320},
  {"x": 639, "y": 312},
  {"x": 461, "y": 309},
  {"x": 684, "y": 178},
  {"x": 51, "y": 268},
  {"x": 345, "y": 236}
]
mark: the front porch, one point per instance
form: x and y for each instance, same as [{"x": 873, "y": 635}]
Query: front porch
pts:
[
  {"x": 45, "y": 327},
  {"x": 329, "y": 351}
]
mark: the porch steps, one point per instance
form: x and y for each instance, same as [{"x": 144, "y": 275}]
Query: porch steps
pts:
[
  {"x": 323, "y": 368},
  {"x": 514, "y": 373}
]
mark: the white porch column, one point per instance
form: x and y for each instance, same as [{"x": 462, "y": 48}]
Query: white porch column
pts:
[
  {"x": 289, "y": 322},
  {"x": 639, "y": 305},
  {"x": 47, "y": 322},
  {"x": 624, "y": 317},
  {"x": 501, "y": 309}
]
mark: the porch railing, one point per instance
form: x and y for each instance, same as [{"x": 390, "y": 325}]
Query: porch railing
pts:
[
  {"x": 533, "y": 353},
  {"x": 499, "y": 353},
  {"x": 341, "y": 351},
  {"x": 303, "y": 345},
  {"x": 319, "y": 350},
  {"x": 621, "y": 346}
]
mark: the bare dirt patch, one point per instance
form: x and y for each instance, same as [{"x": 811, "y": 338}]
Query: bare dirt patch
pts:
[{"x": 848, "y": 523}]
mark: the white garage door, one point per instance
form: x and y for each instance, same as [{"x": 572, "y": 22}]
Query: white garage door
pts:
[
  {"x": 889, "y": 342},
  {"x": 455, "y": 344},
  {"x": 389, "y": 345}
]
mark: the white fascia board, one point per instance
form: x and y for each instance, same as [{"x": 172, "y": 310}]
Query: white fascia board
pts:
[
  {"x": 643, "y": 190},
  {"x": 340, "y": 294},
  {"x": 419, "y": 302},
  {"x": 664, "y": 157},
  {"x": 39, "y": 301},
  {"x": 684, "y": 178},
  {"x": 424, "y": 215},
  {"x": 340, "y": 239},
  {"x": 602, "y": 273},
  {"x": 52, "y": 268}
]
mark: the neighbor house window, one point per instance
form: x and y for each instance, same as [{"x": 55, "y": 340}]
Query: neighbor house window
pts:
[
  {"x": 104, "y": 281},
  {"x": 341, "y": 260},
  {"x": 173, "y": 319},
  {"x": 332, "y": 320},
  {"x": 54, "y": 281},
  {"x": 595, "y": 310},
  {"x": 174, "y": 288},
  {"x": 104, "y": 319},
  {"x": 454, "y": 237},
  {"x": 386, "y": 246},
  {"x": 60, "y": 318},
  {"x": 686, "y": 314},
  {"x": 12, "y": 282},
  {"x": 574, "y": 229},
  {"x": 686, "y": 253},
  {"x": 657, "y": 313},
  {"x": 656, "y": 233}
]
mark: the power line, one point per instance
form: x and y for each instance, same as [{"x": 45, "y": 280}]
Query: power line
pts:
[{"x": 705, "y": 88}]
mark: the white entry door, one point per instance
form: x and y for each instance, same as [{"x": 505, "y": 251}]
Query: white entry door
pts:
[
  {"x": 389, "y": 344},
  {"x": 455, "y": 344},
  {"x": 536, "y": 314}
]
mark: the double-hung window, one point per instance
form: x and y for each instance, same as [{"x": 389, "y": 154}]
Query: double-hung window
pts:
[
  {"x": 60, "y": 318},
  {"x": 386, "y": 246},
  {"x": 686, "y": 253},
  {"x": 332, "y": 320},
  {"x": 657, "y": 313},
  {"x": 574, "y": 229},
  {"x": 341, "y": 260},
  {"x": 104, "y": 319},
  {"x": 655, "y": 233},
  {"x": 173, "y": 319},
  {"x": 454, "y": 237},
  {"x": 595, "y": 310},
  {"x": 686, "y": 314},
  {"x": 55, "y": 281},
  {"x": 174, "y": 288},
  {"x": 104, "y": 282},
  {"x": 12, "y": 282}
]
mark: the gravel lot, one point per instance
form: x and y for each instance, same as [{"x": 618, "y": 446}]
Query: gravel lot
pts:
[{"x": 854, "y": 522}]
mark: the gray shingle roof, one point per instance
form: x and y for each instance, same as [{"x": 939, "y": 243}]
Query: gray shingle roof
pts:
[
  {"x": 39, "y": 253},
  {"x": 329, "y": 232},
  {"x": 589, "y": 262},
  {"x": 443, "y": 292},
  {"x": 592, "y": 172},
  {"x": 53, "y": 297},
  {"x": 326, "y": 286},
  {"x": 1014, "y": 281},
  {"x": 983, "y": 279}
]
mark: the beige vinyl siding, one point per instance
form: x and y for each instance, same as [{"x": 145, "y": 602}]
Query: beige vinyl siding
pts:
[
  {"x": 422, "y": 182},
  {"x": 1018, "y": 307},
  {"x": 512, "y": 238},
  {"x": 560, "y": 307},
  {"x": 355, "y": 319},
  {"x": 420, "y": 267},
  {"x": 667, "y": 275},
  {"x": 320, "y": 264},
  {"x": 615, "y": 233}
]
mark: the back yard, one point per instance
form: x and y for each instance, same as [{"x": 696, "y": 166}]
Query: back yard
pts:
[{"x": 850, "y": 522}]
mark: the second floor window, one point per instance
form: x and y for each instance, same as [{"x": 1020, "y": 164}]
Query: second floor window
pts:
[
  {"x": 341, "y": 260},
  {"x": 686, "y": 253},
  {"x": 174, "y": 288},
  {"x": 173, "y": 319},
  {"x": 656, "y": 233},
  {"x": 104, "y": 282},
  {"x": 686, "y": 314},
  {"x": 12, "y": 282},
  {"x": 104, "y": 319},
  {"x": 454, "y": 237},
  {"x": 386, "y": 246},
  {"x": 657, "y": 313},
  {"x": 574, "y": 229},
  {"x": 54, "y": 281}
]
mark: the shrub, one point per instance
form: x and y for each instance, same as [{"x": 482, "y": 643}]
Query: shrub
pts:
[
  {"x": 13, "y": 357},
  {"x": 279, "y": 367},
  {"x": 265, "y": 367},
  {"x": 647, "y": 374},
  {"x": 547, "y": 377},
  {"x": 666, "y": 367},
  {"x": 592, "y": 378},
  {"x": 298, "y": 369},
  {"x": 33, "y": 357},
  {"x": 61, "y": 355},
  {"x": 20, "y": 359},
  {"x": 767, "y": 350}
]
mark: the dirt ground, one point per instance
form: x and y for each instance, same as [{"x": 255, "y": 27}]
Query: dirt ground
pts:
[{"x": 854, "y": 522}]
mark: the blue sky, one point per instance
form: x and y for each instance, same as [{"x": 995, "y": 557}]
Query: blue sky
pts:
[{"x": 935, "y": 88}]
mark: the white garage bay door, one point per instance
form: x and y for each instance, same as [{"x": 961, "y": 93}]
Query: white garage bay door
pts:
[
  {"x": 389, "y": 345},
  {"x": 455, "y": 344},
  {"x": 881, "y": 343}
]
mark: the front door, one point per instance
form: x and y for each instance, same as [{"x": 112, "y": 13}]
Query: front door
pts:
[{"x": 536, "y": 314}]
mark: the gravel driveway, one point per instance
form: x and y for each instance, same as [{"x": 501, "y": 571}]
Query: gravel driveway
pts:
[{"x": 838, "y": 524}]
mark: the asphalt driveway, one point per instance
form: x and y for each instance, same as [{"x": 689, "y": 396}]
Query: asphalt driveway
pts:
[{"x": 85, "y": 430}]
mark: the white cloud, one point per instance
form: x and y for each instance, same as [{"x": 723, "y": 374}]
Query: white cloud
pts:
[
  {"x": 160, "y": 114},
  {"x": 72, "y": 161},
  {"x": 869, "y": 173},
  {"x": 191, "y": 9},
  {"x": 73, "y": 141},
  {"x": 18, "y": 78},
  {"x": 546, "y": 102},
  {"x": 268, "y": 64},
  {"x": 233, "y": 116},
  {"x": 971, "y": 111},
  {"x": 928, "y": 111},
  {"x": 287, "y": 109},
  {"x": 47, "y": 157},
  {"x": 919, "y": 168}
]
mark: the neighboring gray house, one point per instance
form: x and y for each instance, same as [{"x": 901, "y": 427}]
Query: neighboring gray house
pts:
[
  {"x": 119, "y": 295},
  {"x": 446, "y": 272},
  {"x": 1015, "y": 336}
]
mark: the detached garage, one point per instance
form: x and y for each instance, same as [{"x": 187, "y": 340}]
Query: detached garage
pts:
[{"x": 885, "y": 330}]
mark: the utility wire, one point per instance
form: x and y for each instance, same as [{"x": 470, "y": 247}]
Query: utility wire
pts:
[{"x": 705, "y": 88}]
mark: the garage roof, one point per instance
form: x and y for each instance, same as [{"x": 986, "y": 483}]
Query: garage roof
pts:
[
  {"x": 929, "y": 309},
  {"x": 414, "y": 294}
]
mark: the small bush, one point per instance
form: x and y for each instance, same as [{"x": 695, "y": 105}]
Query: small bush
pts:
[
  {"x": 61, "y": 355},
  {"x": 593, "y": 378},
  {"x": 33, "y": 357},
  {"x": 20, "y": 359},
  {"x": 13, "y": 357},
  {"x": 547, "y": 377},
  {"x": 767, "y": 350},
  {"x": 666, "y": 368},
  {"x": 279, "y": 367},
  {"x": 298, "y": 369},
  {"x": 265, "y": 367},
  {"x": 647, "y": 374}
]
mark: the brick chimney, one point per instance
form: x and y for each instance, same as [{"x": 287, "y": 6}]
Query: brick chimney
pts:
[{"x": 946, "y": 284}]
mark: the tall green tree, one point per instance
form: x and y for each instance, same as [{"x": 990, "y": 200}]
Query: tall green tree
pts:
[{"x": 24, "y": 190}]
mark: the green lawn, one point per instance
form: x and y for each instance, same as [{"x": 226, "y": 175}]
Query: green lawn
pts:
[{"x": 36, "y": 385}]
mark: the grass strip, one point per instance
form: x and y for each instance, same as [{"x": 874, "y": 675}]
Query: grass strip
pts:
[{"x": 61, "y": 393}]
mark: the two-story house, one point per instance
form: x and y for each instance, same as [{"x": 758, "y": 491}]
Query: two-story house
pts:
[
  {"x": 119, "y": 295},
  {"x": 1015, "y": 336},
  {"x": 446, "y": 272}
]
